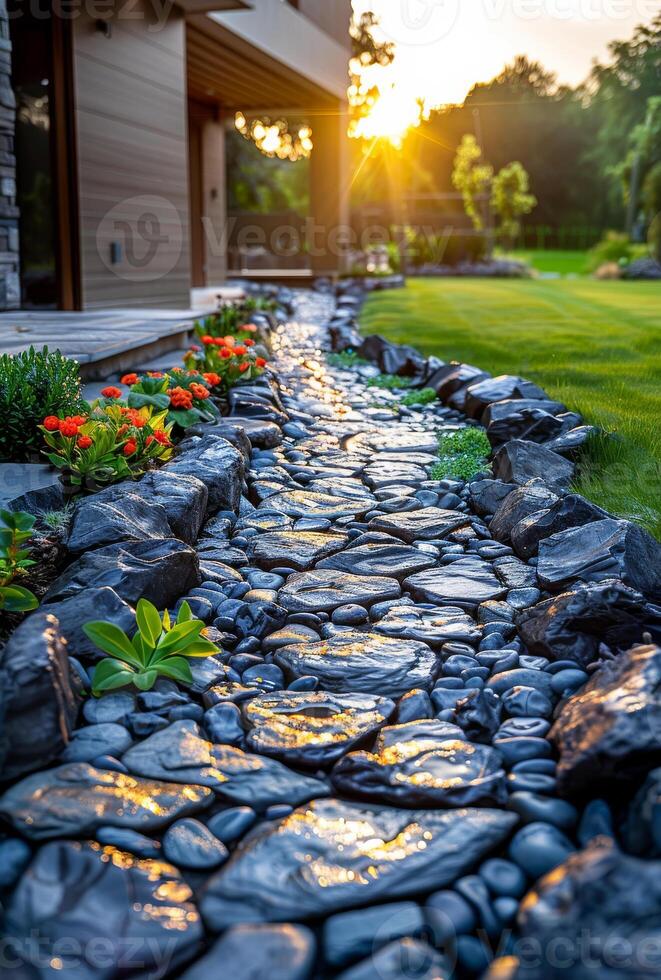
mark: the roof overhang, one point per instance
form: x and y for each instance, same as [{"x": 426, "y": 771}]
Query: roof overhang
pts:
[{"x": 206, "y": 6}]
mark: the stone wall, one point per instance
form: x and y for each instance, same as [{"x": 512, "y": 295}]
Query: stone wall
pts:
[{"x": 9, "y": 259}]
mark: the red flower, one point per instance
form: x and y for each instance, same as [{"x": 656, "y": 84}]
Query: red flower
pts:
[
  {"x": 241, "y": 350},
  {"x": 249, "y": 327},
  {"x": 68, "y": 428},
  {"x": 129, "y": 447},
  {"x": 129, "y": 379},
  {"x": 249, "y": 342},
  {"x": 84, "y": 442},
  {"x": 155, "y": 374},
  {"x": 78, "y": 419},
  {"x": 225, "y": 353},
  {"x": 260, "y": 362},
  {"x": 199, "y": 391},
  {"x": 160, "y": 435},
  {"x": 51, "y": 423},
  {"x": 111, "y": 392},
  {"x": 208, "y": 339},
  {"x": 123, "y": 429},
  {"x": 180, "y": 398},
  {"x": 244, "y": 367},
  {"x": 211, "y": 378}
]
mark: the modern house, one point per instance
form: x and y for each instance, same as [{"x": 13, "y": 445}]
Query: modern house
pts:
[{"x": 117, "y": 195}]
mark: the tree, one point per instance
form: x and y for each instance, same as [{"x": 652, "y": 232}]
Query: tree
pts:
[
  {"x": 366, "y": 52},
  {"x": 472, "y": 177},
  {"x": 510, "y": 199},
  {"x": 652, "y": 203}
]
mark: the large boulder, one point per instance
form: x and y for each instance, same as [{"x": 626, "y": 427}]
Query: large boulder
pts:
[
  {"x": 519, "y": 461},
  {"x": 40, "y": 696},
  {"x": 215, "y": 462},
  {"x": 598, "y": 915},
  {"x": 393, "y": 358},
  {"x": 160, "y": 571},
  {"x": 571, "y": 626},
  {"x": 116, "y": 514},
  {"x": 523, "y": 502},
  {"x": 572, "y": 510},
  {"x": 184, "y": 499},
  {"x": 504, "y": 386},
  {"x": 94, "y": 912},
  {"x": 601, "y": 550},
  {"x": 609, "y": 733}
]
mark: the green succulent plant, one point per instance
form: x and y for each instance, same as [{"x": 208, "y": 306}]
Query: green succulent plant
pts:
[
  {"x": 159, "y": 648},
  {"x": 15, "y": 530}
]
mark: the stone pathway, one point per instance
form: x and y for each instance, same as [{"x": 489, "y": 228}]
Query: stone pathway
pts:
[{"x": 364, "y": 771}]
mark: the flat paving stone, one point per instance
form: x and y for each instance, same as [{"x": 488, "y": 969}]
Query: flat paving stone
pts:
[
  {"x": 74, "y": 799},
  {"x": 312, "y": 728},
  {"x": 324, "y": 589},
  {"x": 395, "y": 560},
  {"x": 420, "y": 525},
  {"x": 307, "y": 503},
  {"x": 363, "y": 662},
  {"x": 432, "y": 626},
  {"x": 466, "y": 583},
  {"x": 387, "y": 474},
  {"x": 295, "y": 549},
  {"x": 185, "y": 756},
  {"x": 333, "y": 855}
]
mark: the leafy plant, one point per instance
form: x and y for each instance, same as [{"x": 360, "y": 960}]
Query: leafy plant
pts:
[
  {"x": 57, "y": 520},
  {"x": 389, "y": 382},
  {"x": 184, "y": 395},
  {"x": 158, "y": 648},
  {"x": 15, "y": 530},
  {"x": 462, "y": 454},
  {"x": 114, "y": 442},
  {"x": 226, "y": 359},
  {"x": 346, "y": 359},
  {"x": 34, "y": 384},
  {"x": 423, "y": 396}
]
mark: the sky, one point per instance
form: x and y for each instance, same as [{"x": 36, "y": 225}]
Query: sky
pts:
[{"x": 445, "y": 46}]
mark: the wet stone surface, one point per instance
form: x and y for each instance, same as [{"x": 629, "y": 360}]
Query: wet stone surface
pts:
[{"x": 428, "y": 695}]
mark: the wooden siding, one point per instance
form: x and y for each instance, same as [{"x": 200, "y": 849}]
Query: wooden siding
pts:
[{"x": 131, "y": 120}]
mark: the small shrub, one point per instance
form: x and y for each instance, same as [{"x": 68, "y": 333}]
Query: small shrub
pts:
[
  {"x": 113, "y": 442},
  {"x": 15, "y": 530},
  {"x": 159, "y": 648},
  {"x": 389, "y": 381},
  {"x": 228, "y": 360},
  {"x": 423, "y": 396},
  {"x": 347, "y": 359},
  {"x": 34, "y": 384},
  {"x": 184, "y": 395},
  {"x": 462, "y": 454},
  {"x": 615, "y": 247}
]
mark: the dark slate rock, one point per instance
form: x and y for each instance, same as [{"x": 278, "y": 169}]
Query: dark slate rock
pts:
[
  {"x": 374, "y": 558},
  {"x": 515, "y": 574},
  {"x": 222, "y": 723},
  {"x": 324, "y": 590},
  {"x": 350, "y": 936},
  {"x": 312, "y": 729},
  {"x": 258, "y": 619},
  {"x": 609, "y": 733},
  {"x": 299, "y": 549},
  {"x": 414, "y": 706},
  {"x": 105, "y": 738},
  {"x": 363, "y": 662},
  {"x": 217, "y": 464},
  {"x": 419, "y": 525},
  {"x": 523, "y": 418},
  {"x": 504, "y": 386},
  {"x": 569, "y": 443},
  {"x": 529, "y": 499},
  {"x": 393, "y": 358},
  {"x": 571, "y": 510},
  {"x": 571, "y": 626},
  {"x": 486, "y": 496},
  {"x": 312, "y": 504},
  {"x": 478, "y": 715},
  {"x": 156, "y": 570},
  {"x": 502, "y": 410},
  {"x": 641, "y": 831},
  {"x": 78, "y": 897},
  {"x": 519, "y": 461},
  {"x": 539, "y": 848},
  {"x": 74, "y": 799},
  {"x": 85, "y": 607},
  {"x": 180, "y": 754},
  {"x": 389, "y": 473},
  {"x": 399, "y": 960},
  {"x": 115, "y": 514},
  {"x": 602, "y": 550},
  {"x": 427, "y": 771},
  {"x": 432, "y": 626},
  {"x": 128, "y": 840},
  {"x": 15, "y": 856},
  {"x": 462, "y": 376},
  {"x": 271, "y": 879},
  {"x": 189, "y": 844},
  {"x": 465, "y": 583},
  {"x": 252, "y": 952},
  {"x": 606, "y": 895},
  {"x": 39, "y": 696}
]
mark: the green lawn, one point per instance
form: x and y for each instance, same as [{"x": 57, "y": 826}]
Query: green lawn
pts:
[
  {"x": 560, "y": 261},
  {"x": 594, "y": 345}
]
